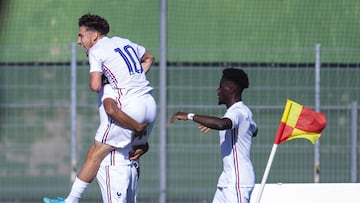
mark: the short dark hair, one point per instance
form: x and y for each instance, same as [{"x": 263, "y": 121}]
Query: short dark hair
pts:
[
  {"x": 238, "y": 76},
  {"x": 95, "y": 23}
]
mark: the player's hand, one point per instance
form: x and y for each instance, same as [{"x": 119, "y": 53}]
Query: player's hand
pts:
[
  {"x": 256, "y": 132},
  {"x": 178, "y": 116},
  {"x": 204, "y": 128},
  {"x": 104, "y": 80},
  {"x": 141, "y": 130},
  {"x": 139, "y": 150}
]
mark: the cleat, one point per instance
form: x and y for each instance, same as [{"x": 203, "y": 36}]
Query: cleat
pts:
[{"x": 58, "y": 200}]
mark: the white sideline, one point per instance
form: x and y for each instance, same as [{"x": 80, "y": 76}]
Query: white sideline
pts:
[{"x": 308, "y": 193}]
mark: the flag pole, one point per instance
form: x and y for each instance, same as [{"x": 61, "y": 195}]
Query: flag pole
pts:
[{"x": 266, "y": 173}]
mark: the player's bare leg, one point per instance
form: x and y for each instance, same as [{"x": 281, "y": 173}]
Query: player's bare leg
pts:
[
  {"x": 96, "y": 154},
  {"x": 87, "y": 173}
]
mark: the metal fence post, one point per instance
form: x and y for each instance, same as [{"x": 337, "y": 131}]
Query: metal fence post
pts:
[
  {"x": 73, "y": 119},
  {"x": 163, "y": 103},
  {"x": 354, "y": 141},
  {"x": 317, "y": 108}
]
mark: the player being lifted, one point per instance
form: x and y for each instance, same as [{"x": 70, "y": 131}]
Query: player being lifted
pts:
[
  {"x": 124, "y": 64},
  {"x": 236, "y": 130}
]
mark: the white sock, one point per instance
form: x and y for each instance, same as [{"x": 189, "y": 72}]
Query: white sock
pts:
[{"x": 77, "y": 189}]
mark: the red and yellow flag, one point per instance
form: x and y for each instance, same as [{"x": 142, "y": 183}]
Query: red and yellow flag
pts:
[{"x": 300, "y": 122}]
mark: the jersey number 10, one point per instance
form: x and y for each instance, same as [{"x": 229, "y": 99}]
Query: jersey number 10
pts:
[{"x": 131, "y": 59}]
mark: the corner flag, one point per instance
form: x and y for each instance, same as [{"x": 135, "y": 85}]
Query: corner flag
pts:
[
  {"x": 297, "y": 122},
  {"x": 300, "y": 122}
]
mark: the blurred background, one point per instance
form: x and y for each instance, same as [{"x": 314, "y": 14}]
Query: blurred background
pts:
[{"x": 277, "y": 42}]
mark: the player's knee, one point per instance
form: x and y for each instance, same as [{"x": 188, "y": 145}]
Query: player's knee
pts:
[{"x": 98, "y": 151}]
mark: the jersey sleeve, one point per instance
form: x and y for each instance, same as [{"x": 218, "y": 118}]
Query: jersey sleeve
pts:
[
  {"x": 95, "y": 64},
  {"x": 253, "y": 126},
  {"x": 235, "y": 117},
  {"x": 238, "y": 116},
  {"x": 140, "y": 50},
  {"x": 108, "y": 92}
]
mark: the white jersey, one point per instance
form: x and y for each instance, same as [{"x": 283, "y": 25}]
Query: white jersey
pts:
[
  {"x": 119, "y": 60},
  {"x": 142, "y": 109},
  {"x": 109, "y": 133},
  {"x": 235, "y": 146}
]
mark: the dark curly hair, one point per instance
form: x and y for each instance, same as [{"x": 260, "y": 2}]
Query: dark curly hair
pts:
[
  {"x": 94, "y": 23},
  {"x": 238, "y": 76}
]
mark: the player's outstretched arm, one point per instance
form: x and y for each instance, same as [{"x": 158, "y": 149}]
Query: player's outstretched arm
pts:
[
  {"x": 119, "y": 116},
  {"x": 207, "y": 121}
]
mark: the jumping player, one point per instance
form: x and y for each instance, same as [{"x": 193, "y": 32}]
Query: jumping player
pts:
[
  {"x": 124, "y": 63},
  {"x": 236, "y": 130}
]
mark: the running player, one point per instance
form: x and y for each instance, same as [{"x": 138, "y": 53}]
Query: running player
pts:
[{"x": 236, "y": 130}]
